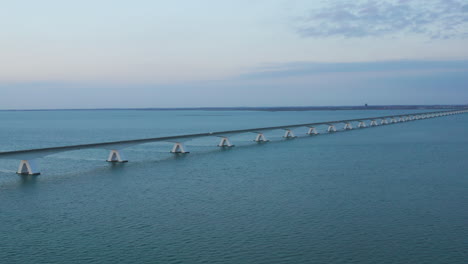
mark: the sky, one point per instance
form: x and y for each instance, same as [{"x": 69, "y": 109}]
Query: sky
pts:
[{"x": 215, "y": 53}]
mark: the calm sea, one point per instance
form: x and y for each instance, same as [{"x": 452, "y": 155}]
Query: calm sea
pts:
[{"x": 390, "y": 194}]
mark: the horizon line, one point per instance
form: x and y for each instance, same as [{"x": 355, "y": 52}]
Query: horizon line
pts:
[{"x": 258, "y": 108}]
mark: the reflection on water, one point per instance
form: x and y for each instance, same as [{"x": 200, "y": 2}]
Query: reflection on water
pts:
[{"x": 28, "y": 180}]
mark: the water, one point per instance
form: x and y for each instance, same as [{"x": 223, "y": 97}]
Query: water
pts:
[{"x": 391, "y": 194}]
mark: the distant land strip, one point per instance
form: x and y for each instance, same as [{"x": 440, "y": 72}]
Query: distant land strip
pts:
[{"x": 267, "y": 108}]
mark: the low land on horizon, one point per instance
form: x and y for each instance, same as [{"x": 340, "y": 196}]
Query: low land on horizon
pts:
[{"x": 267, "y": 108}]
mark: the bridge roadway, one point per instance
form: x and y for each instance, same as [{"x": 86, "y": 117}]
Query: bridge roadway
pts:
[{"x": 28, "y": 156}]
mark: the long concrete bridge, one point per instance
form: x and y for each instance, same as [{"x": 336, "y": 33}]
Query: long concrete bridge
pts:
[{"x": 28, "y": 157}]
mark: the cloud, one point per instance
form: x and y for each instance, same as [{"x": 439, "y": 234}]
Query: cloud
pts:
[
  {"x": 436, "y": 19},
  {"x": 297, "y": 69}
]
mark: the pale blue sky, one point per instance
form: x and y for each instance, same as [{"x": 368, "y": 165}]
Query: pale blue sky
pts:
[{"x": 142, "y": 53}]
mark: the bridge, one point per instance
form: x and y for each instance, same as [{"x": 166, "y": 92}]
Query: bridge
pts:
[{"x": 28, "y": 164}]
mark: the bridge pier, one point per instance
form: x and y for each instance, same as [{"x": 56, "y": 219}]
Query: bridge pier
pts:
[
  {"x": 362, "y": 124},
  {"x": 373, "y": 123},
  {"x": 312, "y": 131},
  {"x": 331, "y": 128},
  {"x": 116, "y": 156},
  {"x": 348, "y": 126},
  {"x": 28, "y": 167},
  {"x": 384, "y": 121},
  {"x": 261, "y": 138},
  {"x": 401, "y": 119},
  {"x": 179, "y": 148},
  {"x": 393, "y": 120},
  {"x": 289, "y": 134},
  {"x": 225, "y": 142}
]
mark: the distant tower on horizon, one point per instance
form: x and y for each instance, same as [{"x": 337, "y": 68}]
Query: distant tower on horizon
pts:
[{"x": 365, "y": 105}]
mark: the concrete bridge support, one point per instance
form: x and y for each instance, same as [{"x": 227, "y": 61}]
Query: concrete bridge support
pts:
[
  {"x": 289, "y": 134},
  {"x": 331, "y": 128},
  {"x": 348, "y": 126},
  {"x": 179, "y": 148},
  {"x": 28, "y": 167},
  {"x": 384, "y": 121},
  {"x": 225, "y": 142},
  {"x": 261, "y": 138},
  {"x": 361, "y": 124},
  {"x": 312, "y": 131},
  {"x": 373, "y": 123},
  {"x": 116, "y": 156}
]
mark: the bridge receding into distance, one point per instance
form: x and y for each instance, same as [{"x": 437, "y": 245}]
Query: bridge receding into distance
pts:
[{"x": 28, "y": 165}]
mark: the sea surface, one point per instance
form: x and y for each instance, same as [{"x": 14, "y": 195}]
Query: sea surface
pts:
[{"x": 390, "y": 194}]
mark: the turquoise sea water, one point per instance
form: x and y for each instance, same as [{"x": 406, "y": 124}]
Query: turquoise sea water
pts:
[{"x": 390, "y": 194}]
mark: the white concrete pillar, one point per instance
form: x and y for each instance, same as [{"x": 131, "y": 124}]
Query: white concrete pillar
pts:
[
  {"x": 261, "y": 138},
  {"x": 373, "y": 123},
  {"x": 384, "y": 121},
  {"x": 179, "y": 148},
  {"x": 225, "y": 142},
  {"x": 289, "y": 134},
  {"x": 28, "y": 167},
  {"x": 361, "y": 124},
  {"x": 116, "y": 156},
  {"x": 348, "y": 126},
  {"x": 393, "y": 120},
  {"x": 401, "y": 119},
  {"x": 331, "y": 128},
  {"x": 312, "y": 131}
]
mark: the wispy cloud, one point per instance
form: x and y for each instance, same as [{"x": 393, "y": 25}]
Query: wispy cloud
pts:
[
  {"x": 295, "y": 69},
  {"x": 437, "y": 19}
]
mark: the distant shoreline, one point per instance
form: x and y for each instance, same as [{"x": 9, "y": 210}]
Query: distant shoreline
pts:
[{"x": 273, "y": 108}]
